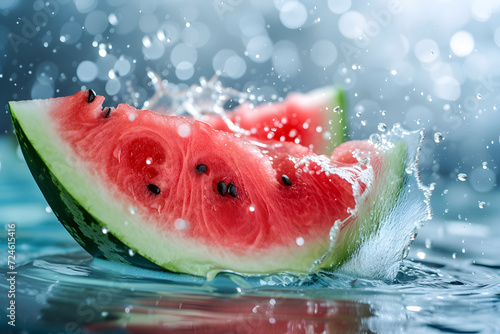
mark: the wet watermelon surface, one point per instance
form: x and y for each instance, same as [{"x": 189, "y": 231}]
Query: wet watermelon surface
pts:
[{"x": 60, "y": 287}]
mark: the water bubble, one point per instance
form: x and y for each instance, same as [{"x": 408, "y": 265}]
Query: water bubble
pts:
[
  {"x": 259, "y": 48},
  {"x": 438, "y": 137},
  {"x": 251, "y": 208},
  {"x": 462, "y": 176},
  {"x": 427, "y": 50},
  {"x": 481, "y": 204},
  {"x": 184, "y": 70},
  {"x": 479, "y": 97},
  {"x": 339, "y": 6},
  {"x": 96, "y": 22},
  {"x": 131, "y": 117},
  {"x": 286, "y": 59},
  {"x": 113, "y": 86},
  {"x": 351, "y": 24},
  {"x": 86, "y": 71},
  {"x": 300, "y": 241},
  {"x": 482, "y": 180},
  {"x": 131, "y": 252},
  {"x": 462, "y": 43},
  {"x": 48, "y": 209},
  {"x": 235, "y": 67},
  {"x": 293, "y": 14},
  {"x": 381, "y": 127},
  {"x": 70, "y": 32},
  {"x": 323, "y": 53},
  {"x": 104, "y": 230}
]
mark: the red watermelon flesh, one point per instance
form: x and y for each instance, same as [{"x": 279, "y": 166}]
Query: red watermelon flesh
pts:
[
  {"x": 131, "y": 185},
  {"x": 315, "y": 120},
  {"x": 149, "y": 150}
]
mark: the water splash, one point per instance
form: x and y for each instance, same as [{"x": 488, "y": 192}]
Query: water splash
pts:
[{"x": 382, "y": 250}]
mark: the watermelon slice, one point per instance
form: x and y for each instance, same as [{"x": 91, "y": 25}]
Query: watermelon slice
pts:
[
  {"x": 163, "y": 191},
  {"x": 315, "y": 120}
]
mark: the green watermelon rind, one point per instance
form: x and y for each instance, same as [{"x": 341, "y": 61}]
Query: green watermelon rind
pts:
[{"x": 338, "y": 118}]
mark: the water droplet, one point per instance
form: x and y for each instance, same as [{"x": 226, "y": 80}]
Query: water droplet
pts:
[
  {"x": 104, "y": 230},
  {"x": 131, "y": 116},
  {"x": 462, "y": 176},
  {"x": 184, "y": 130},
  {"x": 485, "y": 165},
  {"x": 132, "y": 209},
  {"x": 454, "y": 255},
  {"x": 382, "y": 127},
  {"x": 251, "y": 208},
  {"x": 438, "y": 137},
  {"x": 358, "y": 114},
  {"x": 481, "y": 204},
  {"x": 131, "y": 252},
  {"x": 363, "y": 123},
  {"x": 305, "y": 125},
  {"x": 478, "y": 96},
  {"x": 375, "y": 138},
  {"x": 181, "y": 224},
  {"x": 300, "y": 241},
  {"x": 48, "y": 209},
  {"x": 149, "y": 161},
  {"x": 336, "y": 109}
]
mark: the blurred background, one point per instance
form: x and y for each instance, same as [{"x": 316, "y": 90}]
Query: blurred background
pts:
[
  {"x": 426, "y": 64},
  {"x": 431, "y": 64}
]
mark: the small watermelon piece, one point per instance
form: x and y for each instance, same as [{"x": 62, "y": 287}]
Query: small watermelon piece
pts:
[
  {"x": 316, "y": 120},
  {"x": 163, "y": 191}
]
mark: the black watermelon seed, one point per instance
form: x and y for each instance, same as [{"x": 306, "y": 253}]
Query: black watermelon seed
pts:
[
  {"x": 286, "y": 180},
  {"x": 221, "y": 188},
  {"x": 91, "y": 96},
  {"x": 108, "y": 113},
  {"x": 154, "y": 189},
  {"x": 231, "y": 189},
  {"x": 201, "y": 168}
]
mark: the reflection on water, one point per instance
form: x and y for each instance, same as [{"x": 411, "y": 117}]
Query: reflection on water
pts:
[{"x": 450, "y": 283}]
